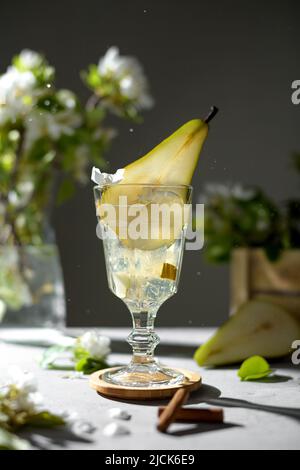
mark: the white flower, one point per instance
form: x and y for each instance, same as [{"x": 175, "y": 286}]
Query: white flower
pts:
[
  {"x": 130, "y": 75},
  {"x": 96, "y": 345},
  {"x": 217, "y": 189},
  {"x": 31, "y": 402},
  {"x": 44, "y": 124},
  {"x": 226, "y": 191},
  {"x": 29, "y": 59},
  {"x": 22, "y": 195},
  {"x": 242, "y": 193},
  {"x": 66, "y": 98},
  {"x": 16, "y": 94},
  {"x": 26, "y": 397},
  {"x": 23, "y": 381}
]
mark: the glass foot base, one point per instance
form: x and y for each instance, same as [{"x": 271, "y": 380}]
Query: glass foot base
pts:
[{"x": 143, "y": 375}]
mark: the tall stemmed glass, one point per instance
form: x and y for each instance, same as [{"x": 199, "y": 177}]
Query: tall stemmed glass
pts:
[{"x": 143, "y": 227}]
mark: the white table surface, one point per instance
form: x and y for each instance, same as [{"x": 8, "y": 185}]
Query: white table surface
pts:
[{"x": 257, "y": 415}]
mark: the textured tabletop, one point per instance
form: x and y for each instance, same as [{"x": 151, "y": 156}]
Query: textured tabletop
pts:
[{"x": 257, "y": 415}]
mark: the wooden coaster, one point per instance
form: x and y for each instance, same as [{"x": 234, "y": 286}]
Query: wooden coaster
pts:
[{"x": 192, "y": 381}]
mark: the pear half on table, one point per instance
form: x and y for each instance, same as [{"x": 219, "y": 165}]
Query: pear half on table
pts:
[
  {"x": 171, "y": 163},
  {"x": 258, "y": 328}
]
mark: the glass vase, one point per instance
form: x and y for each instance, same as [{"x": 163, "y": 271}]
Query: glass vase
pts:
[{"x": 31, "y": 286}]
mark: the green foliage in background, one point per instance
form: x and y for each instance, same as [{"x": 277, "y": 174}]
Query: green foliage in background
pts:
[
  {"x": 49, "y": 139},
  {"x": 239, "y": 216}
]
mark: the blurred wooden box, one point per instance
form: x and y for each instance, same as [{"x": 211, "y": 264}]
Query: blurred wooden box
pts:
[{"x": 253, "y": 276}]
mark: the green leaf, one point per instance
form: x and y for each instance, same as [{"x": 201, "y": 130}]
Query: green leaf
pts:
[
  {"x": 80, "y": 353},
  {"x": 95, "y": 116},
  {"x": 44, "y": 419},
  {"x": 88, "y": 365},
  {"x": 9, "y": 441},
  {"x": 51, "y": 355},
  {"x": 91, "y": 77},
  {"x": 66, "y": 191},
  {"x": 254, "y": 368}
]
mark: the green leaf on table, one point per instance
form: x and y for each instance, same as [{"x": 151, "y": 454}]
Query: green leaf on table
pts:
[
  {"x": 88, "y": 365},
  {"x": 52, "y": 355},
  {"x": 254, "y": 368},
  {"x": 44, "y": 419},
  {"x": 9, "y": 441}
]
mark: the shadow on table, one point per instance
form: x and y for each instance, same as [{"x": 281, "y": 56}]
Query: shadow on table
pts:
[
  {"x": 205, "y": 393},
  {"x": 201, "y": 428},
  {"x": 275, "y": 379},
  {"x": 235, "y": 403},
  {"x": 43, "y": 438}
]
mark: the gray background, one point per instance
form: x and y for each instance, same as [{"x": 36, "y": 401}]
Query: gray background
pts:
[{"x": 240, "y": 55}]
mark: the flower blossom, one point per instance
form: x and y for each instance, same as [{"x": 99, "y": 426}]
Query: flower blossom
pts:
[
  {"x": 29, "y": 59},
  {"x": 16, "y": 94},
  {"x": 19, "y": 390},
  {"x": 129, "y": 74},
  {"x": 46, "y": 124},
  {"x": 96, "y": 345}
]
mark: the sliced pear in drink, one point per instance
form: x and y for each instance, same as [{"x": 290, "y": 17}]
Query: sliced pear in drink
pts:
[
  {"x": 170, "y": 163},
  {"x": 173, "y": 161},
  {"x": 259, "y": 328}
]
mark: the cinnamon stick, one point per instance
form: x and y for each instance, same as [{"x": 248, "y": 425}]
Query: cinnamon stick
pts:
[
  {"x": 169, "y": 412},
  {"x": 197, "y": 415}
]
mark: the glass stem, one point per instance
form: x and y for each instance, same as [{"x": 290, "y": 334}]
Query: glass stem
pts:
[{"x": 143, "y": 338}]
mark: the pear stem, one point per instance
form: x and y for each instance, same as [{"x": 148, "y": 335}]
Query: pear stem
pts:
[{"x": 213, "y": 111}]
